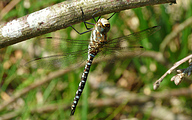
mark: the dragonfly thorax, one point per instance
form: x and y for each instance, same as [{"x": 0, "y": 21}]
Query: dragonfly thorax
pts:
[{"x": 99, "y": 36}]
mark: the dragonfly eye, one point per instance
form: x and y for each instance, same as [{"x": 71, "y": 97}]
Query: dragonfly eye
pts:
[{"x": 107, "y": 25}]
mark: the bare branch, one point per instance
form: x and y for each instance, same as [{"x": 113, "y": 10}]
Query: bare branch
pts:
[
  {"x": 63, "y": 15},
  {"x": 174, "y": 33},
  {"x": 8, "y": 7},
  {"x": 157, "y": 83}
]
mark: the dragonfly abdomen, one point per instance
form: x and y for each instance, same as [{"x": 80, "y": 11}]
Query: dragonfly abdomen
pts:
[{"x": 82, "y": 83}]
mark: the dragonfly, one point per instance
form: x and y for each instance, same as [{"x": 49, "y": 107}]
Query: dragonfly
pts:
[{"x": 98, "y": 43}]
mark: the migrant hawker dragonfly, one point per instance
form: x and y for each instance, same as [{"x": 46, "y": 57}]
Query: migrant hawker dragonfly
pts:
[{"x": 98, "y": 43}]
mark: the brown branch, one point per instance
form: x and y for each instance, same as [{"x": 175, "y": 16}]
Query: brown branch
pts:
[
  {"x": 63, "y": 15},
  {"x": 164, "y": 113},
  {"x": 174, "y": 33},
  {"x": 58, "y": 73},
  {"x": 157, "y": 83},
  {"x": 8, "y": 7}
]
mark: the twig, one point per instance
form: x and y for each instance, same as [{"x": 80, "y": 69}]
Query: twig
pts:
[
  {"x": 8, "y": 7},
  {"x": 181, "y": 73},
  {"x": 163, "y": 113},
  {"x": 157, "y": 83},
  {"x": 174, "y": 33},
  {"x": 63, "y": 15},
  {"x": 58, "y": 73}
]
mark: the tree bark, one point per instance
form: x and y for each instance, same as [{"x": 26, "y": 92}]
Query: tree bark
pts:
[{"x": 63, "y": 15}]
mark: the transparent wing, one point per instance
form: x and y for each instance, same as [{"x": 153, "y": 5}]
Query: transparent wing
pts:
[
  {"x": 58, "y": 60},
  {"x": 59, "y": 53},
  {"x": 114, "y": 46},
  {"x": 71, "y": 41},
  {"x": 59, "y": 45},
  {"x": 131, "y": 41}
]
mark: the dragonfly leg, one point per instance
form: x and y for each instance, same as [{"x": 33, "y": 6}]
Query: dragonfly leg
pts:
[
  {"x": 111, "y": 16},
  {"x": 85, "y": 23},
  {"x": 81, "y": 32},
  {"x": 93, "y": 16}
]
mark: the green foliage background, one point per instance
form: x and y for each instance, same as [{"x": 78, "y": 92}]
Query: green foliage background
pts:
[{"x": 131, "y": 75}]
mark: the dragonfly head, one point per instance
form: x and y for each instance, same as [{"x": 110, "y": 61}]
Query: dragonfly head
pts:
[{"x": 103, "y": 25}]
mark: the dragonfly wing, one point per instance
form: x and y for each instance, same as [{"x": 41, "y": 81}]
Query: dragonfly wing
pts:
[
  {"x": 58, "y": 61},
  {"x": 60, "y": 44},
  {"x": 134, "y": 37},
  {"x": 130, "y": 43}
]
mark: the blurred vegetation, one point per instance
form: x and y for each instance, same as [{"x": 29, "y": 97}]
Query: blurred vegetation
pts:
[{"x": 107, "y": 82}]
